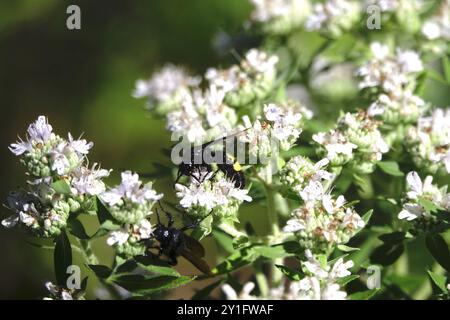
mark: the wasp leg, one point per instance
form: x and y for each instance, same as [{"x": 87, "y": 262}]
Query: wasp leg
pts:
[{"x": 196, "y": 223}]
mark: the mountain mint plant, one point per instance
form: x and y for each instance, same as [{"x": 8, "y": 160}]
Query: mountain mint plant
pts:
[{"x": 339, "y": 166}]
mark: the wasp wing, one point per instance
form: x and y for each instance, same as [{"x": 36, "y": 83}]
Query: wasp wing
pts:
[{"x": 194, "y": 252}]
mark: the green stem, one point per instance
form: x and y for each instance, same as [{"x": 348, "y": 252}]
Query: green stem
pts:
[
  {"x": 261, "y": 280},
  {"x": 231, "y": 230},
  {"x": 277, "y": 275},
  {"x": 89, "y": 257},
  {"x": 88, "y": 254}
]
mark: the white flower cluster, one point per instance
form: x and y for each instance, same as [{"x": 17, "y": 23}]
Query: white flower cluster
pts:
[
  {"x": 62, "y": 183},
  {"x": 280, "y": 16},
  {"x": 438, "y": 26},
  {"x": 334, "y": 16},
  {"x": 166, "y": 89},
  {"x": 320, "y": 283},
  {"x": 278, "y": 129},
  {"x": 218, "y": 196},
  {"x": 130, "y": 204},
  {"x": 393, "y": 77},
  {"x": 356, "y": 138},
  {"x": 247, "y": 82},
  {"x": 418, "y": 192},
  {"x": 429, "y": 141},
  {"x": 321, "y": 280},
  {"x": 300, "y": 172},
  {"x": 202, "y": 114},
  {"x": 323, "y": 222},
  {"x": 59, "y": 293}
]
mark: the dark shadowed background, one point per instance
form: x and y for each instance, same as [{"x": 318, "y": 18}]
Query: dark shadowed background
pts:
[{"x": 82, "y": 80}]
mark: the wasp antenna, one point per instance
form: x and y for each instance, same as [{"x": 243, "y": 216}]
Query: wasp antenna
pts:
[{"x": 157, "y": 216}]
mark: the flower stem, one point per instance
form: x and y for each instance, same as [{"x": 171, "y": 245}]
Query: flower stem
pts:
[
  {"x": 231, "y": 230},
  {"x": 272, "y": 216},
  {"x": 90, "y": 258},
  {"x": 261, "y": 280}
]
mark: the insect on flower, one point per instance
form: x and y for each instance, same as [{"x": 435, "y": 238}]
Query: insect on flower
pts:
[
  {"x": 173, "y": 242},
  {"x": 230, "y": 167}
]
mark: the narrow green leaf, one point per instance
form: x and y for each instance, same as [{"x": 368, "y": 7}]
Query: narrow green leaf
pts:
[
  {"x": 100, "y": 271},
  {"x": 439, "y": 250},
  {"x": 204, "y": 293},
  {"x": 345, "y": 280},
  {"x": 223, "y": 240},
  {"x": 273, "y": 252},
  {"x": 290, "y": 273},
  {"x": 235, "y": 261},
  {"x": 145, "y": 285},
  {"x": 61, "y": 187},
  {"x": 391, "y": 168},
  {"x": 77, "y": 229},
  {"x": 156, "y": 266},
  {"x": 439, "y": 280},
  {"x": 366, "y": 217},
  {"x": 345, "y": 248},
  {"x": 240, "y": 242},
  {"x": 387, "y": 253},
  {"x": 102, "y": 212},
  {"x": 62, "y": 258},
  {"x": 364, "y": 295},
  {"x": 446, "y": 67},
  {"x": 394, "y": 237},
  {"x": 429, "y": 206}
]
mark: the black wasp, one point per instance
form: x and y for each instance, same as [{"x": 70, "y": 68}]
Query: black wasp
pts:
[
  {"x": 173, "y": 242},
  {"x": 199, "y": 171}
]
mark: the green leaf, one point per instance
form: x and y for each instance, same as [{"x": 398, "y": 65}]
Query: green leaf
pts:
[
  {"x": 366, "y": 217},
  {"x": 77, "y": 229},
  {"x": 436, "y": 76},
  {"x": 235, "y": 261},
  {"x": 345, "y": 248},
  {"x": 144, "y": 285},
  {"x": 292, "y": 274},
  {"x": 364, "y": 185},
  {"x": 387, "y": 253},
  {"x": 428, "y": 205},
  {"x": 439, "y": 280},
  {"x": 224, "y": 240},
  {"x": 125, "y": 266},
  {"x": 240, "y": 242},
  {"x": 62, "y": 257},
  {"x": 273, "y": 252},
  {"x": 364, "y": 295},
  {"x": 103, "y": 272},
  {"x": 391, "y": 168},
  {"x": 204, "y": 293},
  {"x": 61, "y": 187},
  {"x": 103, "y": 213},
  {"x": 439, "y": 250},
  {"x": 156, "y": 266},
  {"x": 345, "y": 280},
  {"x": 394, "y": 237},
  {"x": 446, "y": 67}
]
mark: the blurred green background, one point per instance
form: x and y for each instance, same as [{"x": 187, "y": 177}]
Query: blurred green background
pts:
[{"x": 82, "y": 80}]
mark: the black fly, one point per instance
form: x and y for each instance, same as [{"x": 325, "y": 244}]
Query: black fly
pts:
[{"x": 175, "y": 242}]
